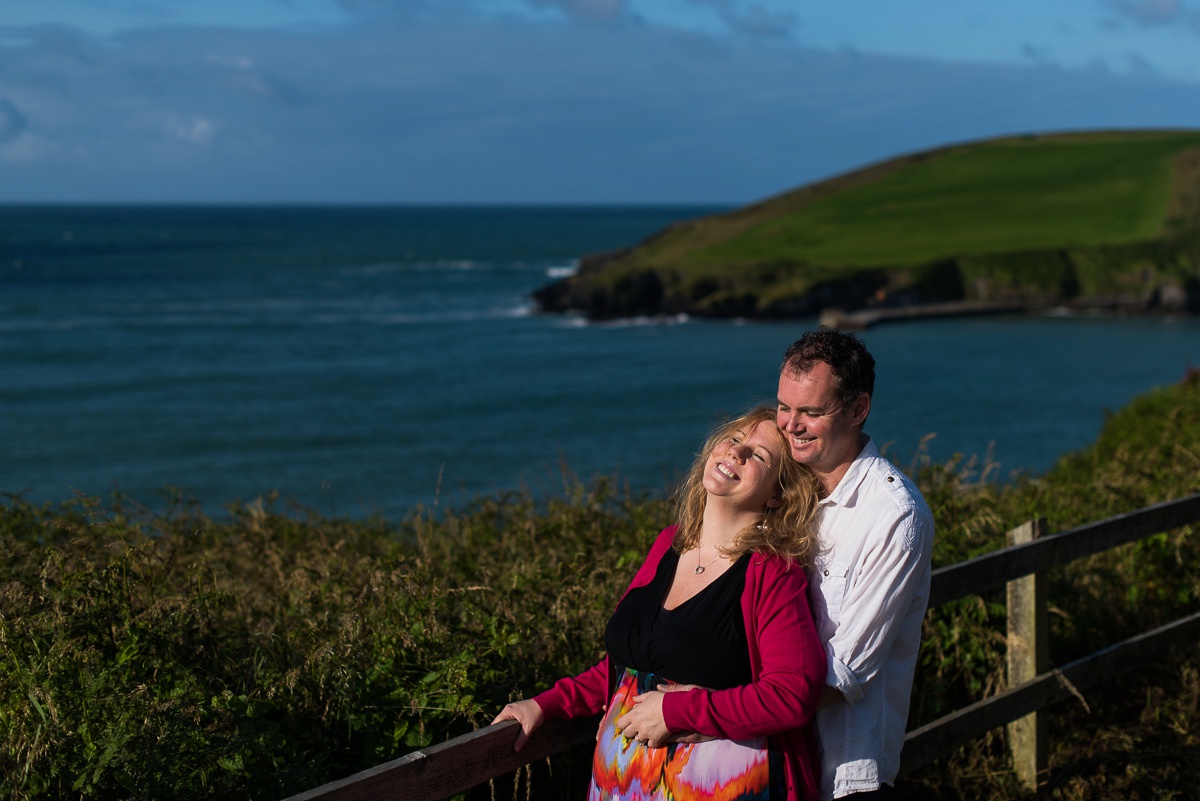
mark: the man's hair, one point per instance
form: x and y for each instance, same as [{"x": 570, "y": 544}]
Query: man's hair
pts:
[{"x": 846, "y": 355}]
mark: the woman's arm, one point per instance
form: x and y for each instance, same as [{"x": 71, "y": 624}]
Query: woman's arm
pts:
[
  {"x": 787, "y": 687},
  {"x": 575, "y": 696},
  {"x": 587, "y": 693}
]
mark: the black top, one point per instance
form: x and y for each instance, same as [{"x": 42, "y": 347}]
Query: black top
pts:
[{"x": 702, "y": 641}]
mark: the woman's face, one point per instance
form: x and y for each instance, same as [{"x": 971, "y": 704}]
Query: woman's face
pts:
[{"x": 744, "y": 469}]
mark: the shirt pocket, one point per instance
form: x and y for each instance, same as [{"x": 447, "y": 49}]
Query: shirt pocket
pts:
[{"x": 831, "y": 575}]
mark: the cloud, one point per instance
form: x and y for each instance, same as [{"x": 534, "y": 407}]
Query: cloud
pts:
[
  {"x": 591, "y": 11},
  {"x": 1139, "y": 65},
  {"x": 434, "y": 112},
  {"x": 12, "y": 122},
  {"x": 1152, "y": 12},
  {"x": 374, "y": 7},
  {"x": 754, "y": 19},
  {"x": 1034, "y": 53},
  {"x": 191, "y": 129}
]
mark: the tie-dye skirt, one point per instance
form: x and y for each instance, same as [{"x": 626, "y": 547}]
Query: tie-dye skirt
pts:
[{"x": 715, "y": 770}]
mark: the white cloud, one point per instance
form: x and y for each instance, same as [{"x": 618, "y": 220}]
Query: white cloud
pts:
[
  {"x": 233, "y": 62},
  {"x": 12, "y": 122},
  {"x": 509, "y": 112},
  {"x": 602, "y": 11},
  {"x": 1158, "y": 12},
  {"x": 194, "y": 130},
  {"x": 1152, "y": 12},
  {"x": 754, "y": 19}
]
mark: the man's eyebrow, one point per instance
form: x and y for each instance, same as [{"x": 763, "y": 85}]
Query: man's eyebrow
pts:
[{"x": 821, "y": 409}]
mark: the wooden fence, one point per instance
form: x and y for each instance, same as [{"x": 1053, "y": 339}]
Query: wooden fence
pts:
[{"x": 454, "y": 766}]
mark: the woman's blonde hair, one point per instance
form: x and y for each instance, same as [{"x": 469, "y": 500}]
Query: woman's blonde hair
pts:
[{"x": 786, "y": 531}]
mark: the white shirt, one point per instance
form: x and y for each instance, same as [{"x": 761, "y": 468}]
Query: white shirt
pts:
[{"x": 870, "y": 587}]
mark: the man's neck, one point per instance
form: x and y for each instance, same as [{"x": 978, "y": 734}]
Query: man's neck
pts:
[{"x": 831, "y": 479}]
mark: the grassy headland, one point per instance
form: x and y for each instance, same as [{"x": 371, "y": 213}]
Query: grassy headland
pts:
[
  {"x": 180, "y": 656},
  {"x": 1091, "y": 219}
]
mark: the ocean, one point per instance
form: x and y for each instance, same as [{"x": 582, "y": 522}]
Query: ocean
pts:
[{"x": 376, "y": 360}]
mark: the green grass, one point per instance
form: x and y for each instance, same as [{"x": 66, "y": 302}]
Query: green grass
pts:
[
  {"x": 997, "y": 196},
  {"x": 180, "y": 656}
]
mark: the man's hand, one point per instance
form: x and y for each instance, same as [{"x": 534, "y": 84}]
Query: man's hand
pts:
[{"x": 528, "y": 714}]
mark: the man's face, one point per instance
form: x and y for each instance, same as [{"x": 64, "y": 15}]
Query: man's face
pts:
[{"x": 820, "y": 432}]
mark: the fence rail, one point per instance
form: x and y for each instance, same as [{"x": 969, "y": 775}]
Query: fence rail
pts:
[
  {"x": 995, "y": 569},
  {"x": 456, "y": 765}
]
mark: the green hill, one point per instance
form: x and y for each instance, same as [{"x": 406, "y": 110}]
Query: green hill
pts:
[{"x": 1088, "y": 219}]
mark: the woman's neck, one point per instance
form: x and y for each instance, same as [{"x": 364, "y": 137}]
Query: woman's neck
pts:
[{"x": 721, "y": 523}]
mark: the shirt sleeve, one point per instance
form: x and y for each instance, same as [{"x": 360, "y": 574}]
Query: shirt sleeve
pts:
[
  {"x": 784, "y": 694},
  {"x": 891, "y": 576},
  {"x": 577, "y": 696}
]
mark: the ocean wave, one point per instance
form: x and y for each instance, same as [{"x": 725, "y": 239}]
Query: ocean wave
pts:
[
  {"x": 562, "y": 271},
  {"x": 420, "y": 265},
  {"x": 234, "y": 318},
  {"x": 449, "y": 316},
  {"x": 641, "y": 321},
  {"x": 527, "y": 309},
  {"x": 63, "y": 324}
]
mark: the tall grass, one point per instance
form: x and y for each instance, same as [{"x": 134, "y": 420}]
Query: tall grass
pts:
[{"x": 175, "y": 655}]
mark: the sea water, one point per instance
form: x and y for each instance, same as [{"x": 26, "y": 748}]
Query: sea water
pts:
[{"x": 366, "y": 361}]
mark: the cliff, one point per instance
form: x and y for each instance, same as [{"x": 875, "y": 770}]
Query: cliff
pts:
[{"x": 1105, "y": 220}]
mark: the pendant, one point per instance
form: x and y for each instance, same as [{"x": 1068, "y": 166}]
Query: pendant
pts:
[{"x": 698, "y": 570}]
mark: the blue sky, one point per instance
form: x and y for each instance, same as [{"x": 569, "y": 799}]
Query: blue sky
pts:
[{"x": 552, "y": 101}]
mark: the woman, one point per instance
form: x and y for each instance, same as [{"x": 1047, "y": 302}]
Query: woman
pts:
[{"x": 713, "y": 640}]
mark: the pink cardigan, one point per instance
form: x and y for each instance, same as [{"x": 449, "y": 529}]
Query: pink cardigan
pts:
[{"x": 786, "y": 660}]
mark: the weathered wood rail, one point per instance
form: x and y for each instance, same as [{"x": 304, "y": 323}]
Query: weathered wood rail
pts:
[{"x": 454, "y": 766}]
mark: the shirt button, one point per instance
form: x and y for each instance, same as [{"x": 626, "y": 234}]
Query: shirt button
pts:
[
  {"x": 891, "y": 478},
  {"x": 826, "y": 571}
]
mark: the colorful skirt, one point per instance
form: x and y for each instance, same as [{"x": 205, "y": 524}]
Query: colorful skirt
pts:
[{"x": 716, "y": 770}]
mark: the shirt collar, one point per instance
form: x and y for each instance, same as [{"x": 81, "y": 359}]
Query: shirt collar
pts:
[{"x": 846, "y": 490}]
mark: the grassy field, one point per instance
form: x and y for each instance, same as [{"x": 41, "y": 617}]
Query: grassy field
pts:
[
  {"x": 1038, "y": 220},
  {"x": 179, "y": 656},
  {"x": 1004, "y": 195}
]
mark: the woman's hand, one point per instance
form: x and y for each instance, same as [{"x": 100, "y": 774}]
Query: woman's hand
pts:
[
  {"x": 685, "y": 736},
  {"x": 644, "y": 722},
  {"x": 528, "y": 714}
]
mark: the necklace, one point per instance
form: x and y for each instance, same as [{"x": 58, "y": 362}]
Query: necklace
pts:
[{"x": 699, "y": 567}]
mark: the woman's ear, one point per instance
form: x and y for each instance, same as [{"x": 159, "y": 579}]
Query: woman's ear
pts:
[{"x": 775, "y": 502}]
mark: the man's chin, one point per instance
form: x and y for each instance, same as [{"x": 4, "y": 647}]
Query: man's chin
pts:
[{"x": 802, "y": 453}]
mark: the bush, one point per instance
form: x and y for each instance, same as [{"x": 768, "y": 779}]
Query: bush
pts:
[{"x": 172, "y": 655}]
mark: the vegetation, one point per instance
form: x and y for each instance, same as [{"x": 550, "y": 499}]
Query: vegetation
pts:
[
  {"x": 172, "y": 655},
  {"x": 1046, "y": 219}
]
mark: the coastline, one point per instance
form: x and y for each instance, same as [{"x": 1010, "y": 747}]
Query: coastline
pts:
[{"x": 863, "y": 319}]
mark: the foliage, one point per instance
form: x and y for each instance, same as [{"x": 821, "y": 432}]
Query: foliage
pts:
[{"x": 174, "y": 655}]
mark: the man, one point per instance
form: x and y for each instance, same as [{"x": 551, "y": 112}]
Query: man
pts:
[{"x": 870, "y": 583}]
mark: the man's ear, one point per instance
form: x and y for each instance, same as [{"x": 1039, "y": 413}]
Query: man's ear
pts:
[{"x": 860, "y": 409}]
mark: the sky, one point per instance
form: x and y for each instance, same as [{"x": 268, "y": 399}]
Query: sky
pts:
[{"x": 552, "y": 101}]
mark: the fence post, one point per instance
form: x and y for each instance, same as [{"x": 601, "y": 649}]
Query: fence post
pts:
[{"x": 1028, "y": 656}]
